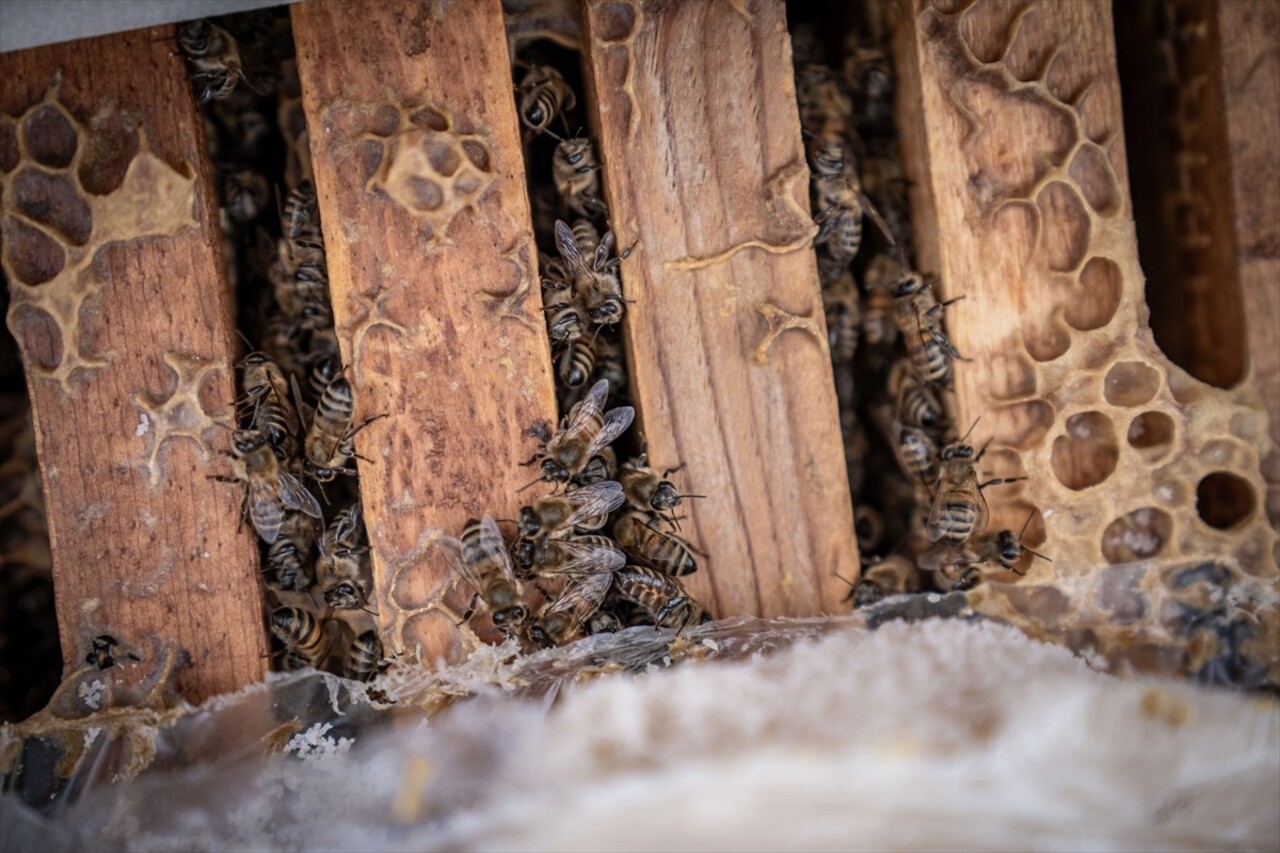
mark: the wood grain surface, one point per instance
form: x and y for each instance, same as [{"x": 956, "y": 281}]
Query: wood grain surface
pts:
[
  {"x": 433, "y": 274},
  {"x": 704, "y": 171},
  {"x": 1249, "y": 35},
  {"x": 111, "y": 251}
]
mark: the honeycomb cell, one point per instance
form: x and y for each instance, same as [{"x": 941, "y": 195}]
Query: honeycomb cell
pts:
[
  {"x": 1087, "y": 454},
  {"x": 1118, "y": 591},
  {"x": 1151, "y": 434},
  {"x": 1102, "y": 286},
  {"x": 426, "y": 194},
  {"x": 613, "y": 22},
  {"x": 442, "y": 157},
  {"x": 1138, "y": 535},
  {"x": 50, "y": 138},
  {"x": 1130, "y": 383},
  {"x": 40, "y": 337},
  {"x": 34, "y": 257},
  {"x": 9, "y": 153},
  {"x": 386, "y": 119},
  {"x": 108, "y": 152},
  {"x": 1066, "y": 227},
  {"x": 1092, "y": 173},
  {"x": 428, "y": 119},
  {"x": 477, "y": 154},
  {"x": 1224, "y": 500},
  {"x": 52, "y": 201},
  {"x": 370, "y": 155}
]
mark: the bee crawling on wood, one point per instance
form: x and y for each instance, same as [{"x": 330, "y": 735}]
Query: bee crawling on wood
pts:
[
  {"x": 917, "y": 405},
  {"x": 582, "y": 510},
  {"x": 273, "y": 415},
  {"x": 364, "y": 658},
  {"x": 959, "y": 566},
  {"x": 840, "y": 201},
  {"x": 649, "y": 490},
  {"x": 595, "y": 283},
  {"x": 584, "y": 433},
  {"x": 645, "y": 544},
  {"x": 302, "y": 634},
  {"x": 959, "y": 510},
  {"x": 896, "y": 574},
  {"x": 270, "y": 488},
  {"x": 661, "y": 595},
  {"x": 481, "y": 558},
  {"x": 565, "y": 619},
  {"x": 330, "y": 442},
  {"x": 920, "y": 318},
  {"x": 214, "y": 58},
  {"x": 576, "y": 173}
]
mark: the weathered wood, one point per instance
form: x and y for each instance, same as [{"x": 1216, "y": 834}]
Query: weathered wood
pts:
[
  {"x": 433, "y": 274},
  {"x": 704, "y": 167},
  {"x": 1018, "y": 110},
  {"x": 111, "y": 249},
  {"x": 1249, "y": 35}
]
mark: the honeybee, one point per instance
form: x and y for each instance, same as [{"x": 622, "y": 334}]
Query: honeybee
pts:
[
  {"x": 596, "y": 284},
  {"x": 879, "y": 326},
  {"x": 603, "y": 466},
  {"x": 301, "y": 633},
  {"x": 343, "y": 575},
  {"x": 577, "y": 177},
  {"x": 959, "y": 508},
  {"x": 825, "y": 108},
  {"x": 662, "y": 595},
  {"x": 323, "y": 369},
  {"x": 273, "y": 415},
  {"x": 868, "y": 74},
  {"x": 869, "y": 529},
  {"x": 916, "y": 450},
  {"x": 543, "y": 94},
  {"x": 564, "y": 619},
  {"x": 577, "y": 362},
  {"x": 102, "y": 652},
  {"x": 247, "y": 193},
  {"x": 574, "y": 556},
  {"x": 565, "y": 318},
  {"x": 287, "y": 567},
  {"x": 839, "y": 199},
  {"x": 302, "y": 247},
  {"x": 919, "y": 318},
  {"x": 586, "y": 430},
  {"x": 213, "y": 56},
  {"x": 346, "y": 530},
  {"x": 959, "y": 566},
  {"x": 481, "y": 558},
  {"x": 844, "y": 317},
  {"x": 641, "y": 541},
  {"x": 584, "y": 509},
  {"x": 917, "y": 405},
  {"x": 648, "y": 490},
  {"x": 364, "y": 657},
  {"x": 270, "y": 489},
  {"x": 894, "y": 575},
  {"x": 330, "y": 442}
]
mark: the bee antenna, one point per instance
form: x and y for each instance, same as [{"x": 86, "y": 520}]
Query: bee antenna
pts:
[
  {"x": 1037, "y": 554},
  {"x": 527, "y": 485},
  {"x": 971, "y": 426},
  {"x": 846, "y": 580},
  {"x": 1024, "y": 526},
  {"x": 682, "y": 497}
]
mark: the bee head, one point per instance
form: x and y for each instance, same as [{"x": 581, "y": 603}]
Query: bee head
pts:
[
  {"x": 957, "y": 451},
  {"x": 911, "y": 284},
  {"x": 344, "y": 596},
  {"x": 510, "y": 617},
  {"x": 609, "y": 313},
  {"x": 535, "y": 115},
  {"x": 320, "y": 475},
  {"x": 194, "y": 37},
  {"x": 523, "y": 553},
  {"x": 247, "y": 440},
  {"x": 529, "y": 524},
  {"x": 1010, "y": 547},
  {"x": 665, "y": 497},
  {"x": 554, "y": 472},
  {"x": 539, "y": 636}
]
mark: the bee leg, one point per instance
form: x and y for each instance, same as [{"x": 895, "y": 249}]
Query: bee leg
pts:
[
  {"x": 968, "y": 580},
  {"x": 998, "y": 481},
  {"x": 667, "y": 473},
  {"x": 471, "y": 610}
]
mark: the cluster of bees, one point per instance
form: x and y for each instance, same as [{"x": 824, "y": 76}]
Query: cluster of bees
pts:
[
  {"x": 293, "y": 451},
  {"x": 924, "y": 522},
  {"x": 602, "y": 549}
]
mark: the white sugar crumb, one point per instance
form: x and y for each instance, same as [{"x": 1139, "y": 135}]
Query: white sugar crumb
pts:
[
  {"x": 144, "y": 425},
  {"x": 315, "y": 745},
  {"x": 91, "y": 693},
  {"x": 90, "y": 735}
]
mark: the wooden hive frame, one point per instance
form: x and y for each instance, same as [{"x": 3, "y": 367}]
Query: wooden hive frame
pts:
[{"x": 1014, "y": 143}]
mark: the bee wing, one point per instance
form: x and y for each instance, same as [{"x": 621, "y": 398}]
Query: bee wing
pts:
[
  {"x": 495, "y": 545},
  {"x": 294, "y": 495},
  {"x": 586, "y": 409},
  {"x": 596, "y": 499},
  {"x": 603, "y": 251},
  {"x": 568, "y": 247},
  {"x": 281, "y": 390},
  {"x": 263, "y": 499},
  {"x": 587, "y": 593},
  {"x": 451, "y": 547},
  {"x": 587, "y": 559},
  {"x": 938, "y": 516},
  {"x": 348, "y": 523},
  {"x": 616, "y": 421}
]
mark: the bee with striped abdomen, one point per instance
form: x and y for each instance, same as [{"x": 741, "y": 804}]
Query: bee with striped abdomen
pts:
[
  {"x": 919, "y": 317},
  {"x": 661, "y": 595},
  {"x": 364, "y": 657},
  {"x": 301, "y": 633},
  {"x": 586, "y": 430},
  {"x": 543, "y": 94},
  {"x": 659, "y": 549},
  {"x": 595, "y": 283},
  {"x": 481, "y": 558},
  {"x": 270, "y": 489},
  {"x": 330, "y": 442},
  {"x": 959, "y": 509},
  {"x": 577, "y": 177},
  {"x": 213, "y": 56},
  {"x": 564, "y": 619}
]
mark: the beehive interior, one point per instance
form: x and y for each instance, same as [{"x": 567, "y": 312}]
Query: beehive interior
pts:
[{"x": 1116, "y": 380}]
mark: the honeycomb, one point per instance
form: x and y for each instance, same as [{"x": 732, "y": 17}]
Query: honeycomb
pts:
[{"x": 1137, "y": 472}]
